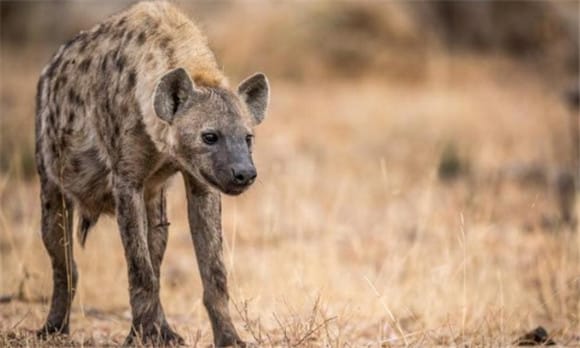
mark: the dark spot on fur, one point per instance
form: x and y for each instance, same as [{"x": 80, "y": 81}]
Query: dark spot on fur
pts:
[
  {"x": 85, "y": 65},
  {"x": 76, "y": 164},
  {"x": 113, "y": 142},
  {"x": 131, "y": 80},
  {"x": 64, "y": 66},
  {"x": 133, "y": 264},
  {"x": 50, "y": 119},
  {"x": 164, "y": 43},
  {"x": 74, "y": 97},
  {"x": 121, "y": 22},
  {"x": 71, "y": 95},
  {"x": 219, "y": 279},
  {"x": 69, "y": 43},
  {"x": 60, "y": 81},
  {"x": 141, "y": 38},
  {"x": 117, "y": 52},
  {"x": 71, "y": 117},
  {"x": 148, "y": 57},
  {"x": 104, "y": 63},
  {"x": 124, "y": 109},
  {"x": 151, "y": 23},
  {"x": 63, "y": 144},
  {"x": 83, "y": 46},
  {"x": 107, "y": 106},
  {"x": 129, "y": 36},
  {"x": 53, "y": 66},
  {"x": 171, "y": 57},
  {"x": 46, "y": 205},
  {"x": 138, "y": 129},
  {"x": 120, "y": 63},
  {"x": 116, "y": 130},
  {"x": 39, "y": 88}
]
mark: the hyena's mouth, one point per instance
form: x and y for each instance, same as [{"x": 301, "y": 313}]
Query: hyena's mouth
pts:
[
  {"x": 233, "y": 190},
  {"x": 210, "y": 180}
]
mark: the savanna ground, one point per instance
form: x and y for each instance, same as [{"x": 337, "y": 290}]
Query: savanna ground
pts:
[{"x": 407, "y": 195}]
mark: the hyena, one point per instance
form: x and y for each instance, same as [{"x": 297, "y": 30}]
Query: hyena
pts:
[{"x": 120, "y": 109}]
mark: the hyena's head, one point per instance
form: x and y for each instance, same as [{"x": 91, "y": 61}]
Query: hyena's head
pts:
[{"x": 211, "y": 129}]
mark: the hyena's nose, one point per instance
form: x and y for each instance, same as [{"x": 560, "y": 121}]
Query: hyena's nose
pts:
[{"x": 244, "y": 175}]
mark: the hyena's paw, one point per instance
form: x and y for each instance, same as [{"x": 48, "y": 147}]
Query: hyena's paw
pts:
[
  {"x": 171, "y": 337},
  {"x": 164, "y": 337},
  {"x": 49, "y": 329},
  {"x": 230, "y": 339}
]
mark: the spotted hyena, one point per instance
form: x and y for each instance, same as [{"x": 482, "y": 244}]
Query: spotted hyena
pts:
[{"x": 120, "y": 109}]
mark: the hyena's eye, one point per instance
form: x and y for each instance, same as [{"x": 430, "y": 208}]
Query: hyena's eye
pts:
[
  {"x": 249, "y": 140},
  {"x": 210, "y": 138}
]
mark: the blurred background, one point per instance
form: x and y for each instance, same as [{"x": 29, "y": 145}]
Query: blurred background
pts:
[{"x": 418, "y": 177}]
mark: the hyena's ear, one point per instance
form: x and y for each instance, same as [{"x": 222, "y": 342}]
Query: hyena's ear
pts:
[
  {"x": 173, "y": 94},
  {"x": 255, "y": 91}
]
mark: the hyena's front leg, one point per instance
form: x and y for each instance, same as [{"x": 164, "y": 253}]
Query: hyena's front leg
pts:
[
  {"x": 57, "y": 217},
  {"x": 204, "y": 212},
  {"x": 157, "y": 230},
  {"x": 148, "y": 321}
]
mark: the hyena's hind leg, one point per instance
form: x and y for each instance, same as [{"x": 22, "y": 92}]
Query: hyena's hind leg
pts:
[
  {"x": 56, "y": 221},
  {"x": 157, "y": 232}
]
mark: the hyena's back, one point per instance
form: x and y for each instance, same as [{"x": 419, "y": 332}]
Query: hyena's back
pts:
[{"x": 94, "y": 103}]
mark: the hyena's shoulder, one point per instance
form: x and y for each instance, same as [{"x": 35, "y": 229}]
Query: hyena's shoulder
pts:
[{"x": 111, "y": 70}]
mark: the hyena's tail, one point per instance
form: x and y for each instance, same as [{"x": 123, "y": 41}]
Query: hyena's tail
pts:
[{"x": 85, "y": 225}]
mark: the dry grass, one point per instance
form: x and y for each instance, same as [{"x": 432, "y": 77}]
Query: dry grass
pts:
[{"x": 349, "y": 237}]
